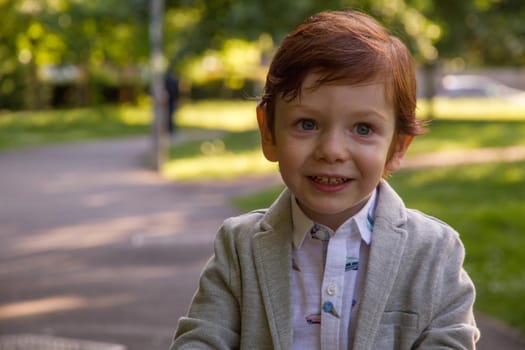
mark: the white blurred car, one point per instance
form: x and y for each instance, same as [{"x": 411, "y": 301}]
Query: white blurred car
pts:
[{"x": 476, "y": 86}]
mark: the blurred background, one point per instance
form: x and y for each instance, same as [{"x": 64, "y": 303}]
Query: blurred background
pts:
[
  {"x": 87, "y": 90},
  {"x": 58, "y": 53}
]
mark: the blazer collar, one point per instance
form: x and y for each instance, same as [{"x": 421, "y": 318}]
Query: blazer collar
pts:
[
  {"x": 386, "y": 250},
  {"x": 273, "y": 261}
]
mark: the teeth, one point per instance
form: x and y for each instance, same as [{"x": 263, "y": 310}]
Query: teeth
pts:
[{"x": 325, "y": 180}]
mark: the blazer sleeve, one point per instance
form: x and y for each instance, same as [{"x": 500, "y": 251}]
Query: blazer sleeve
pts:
[
  {"x": 452, "y": 325},
  {"x": 213, "y": 320}
]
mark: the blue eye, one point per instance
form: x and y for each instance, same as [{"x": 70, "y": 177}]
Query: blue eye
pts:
[
  {"x": 307, "y": 124},
  {"x": 362, "y": 129}
]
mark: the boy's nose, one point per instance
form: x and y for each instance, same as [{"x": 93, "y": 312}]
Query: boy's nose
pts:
[{"x": 333, "y": 147}]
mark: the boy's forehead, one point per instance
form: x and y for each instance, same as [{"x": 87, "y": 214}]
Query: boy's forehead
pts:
[
  {"x": 314, "y": 80},
  {"x": 365, "y": 97}
]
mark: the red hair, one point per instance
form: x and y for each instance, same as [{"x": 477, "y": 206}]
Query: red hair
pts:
[{"x": 349, "y": 48}]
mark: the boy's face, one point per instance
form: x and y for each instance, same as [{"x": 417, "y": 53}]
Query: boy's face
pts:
[{"x": 332, "y": 145}]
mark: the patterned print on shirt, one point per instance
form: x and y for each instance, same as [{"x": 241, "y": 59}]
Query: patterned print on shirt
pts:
[
  {"x": 370, "y": 220},
  {"x": 352, "y": 264},
  {"x": 313, "y": 319},
  {"x": 329, "y": 308},
  {"x": 323, "y": 234},
  {"x": 319, "y": 232}
]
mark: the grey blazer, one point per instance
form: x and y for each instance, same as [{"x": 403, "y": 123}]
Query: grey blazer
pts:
[{"x": 414, "y": 291}]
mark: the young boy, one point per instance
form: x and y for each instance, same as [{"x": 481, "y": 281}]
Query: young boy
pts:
[{"x": 337, "y": 262}]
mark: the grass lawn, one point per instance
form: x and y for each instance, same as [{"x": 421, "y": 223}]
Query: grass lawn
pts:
[
  {"x": 451, "y": 135},
  {"x": 236, "y": 154},
  {"x": 485, "y": 204},
  {"x": 34, "y": 128},
  {"x": 236, "y": 115},
  {"x": 477, "y": 123}
]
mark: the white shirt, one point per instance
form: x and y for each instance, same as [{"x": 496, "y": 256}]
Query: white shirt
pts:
[{"x": 323, "y": 297}]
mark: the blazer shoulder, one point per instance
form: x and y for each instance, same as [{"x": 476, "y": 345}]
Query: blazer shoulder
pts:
[
  {"x": 235, "y": 237},
  {"x": 247, "y": 223},
  {"x": 277, "y": 217},
  {"x": 430, "y": 232},
  {"x": 425, "y": 222},
  {"x": 420, "y": 227},
  {"x": 244, "y": 229}
]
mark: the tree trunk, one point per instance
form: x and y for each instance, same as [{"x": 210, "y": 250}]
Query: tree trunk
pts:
[{"x": 158, "y": 92}]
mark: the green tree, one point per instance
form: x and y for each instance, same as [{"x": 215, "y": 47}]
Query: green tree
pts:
[
  {"x": 102, "y": 38},
  {"x": 108, "y": 39}
]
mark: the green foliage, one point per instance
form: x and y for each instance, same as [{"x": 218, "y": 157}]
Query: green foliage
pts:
[
  {"x": 479, "y": 32},
  {"x": 494, "y": 32},
  {"x": 98, "y": 37},
  {"x": 108, "y": 40}
]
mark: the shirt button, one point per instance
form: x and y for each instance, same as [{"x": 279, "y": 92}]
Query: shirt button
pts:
[{"x": 331, "y": 289}]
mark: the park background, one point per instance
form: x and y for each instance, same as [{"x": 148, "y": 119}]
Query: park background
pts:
[{"x": 76, "y": 71}]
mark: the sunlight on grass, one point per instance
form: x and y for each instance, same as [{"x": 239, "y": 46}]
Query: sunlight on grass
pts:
[
  {"x": 215, "y": 114},
  {"x": 219, "y": 166},
  {"x": 450, "y": 135},
  {"x": 475, "y": 123},
  {"x": 236, "y": 154},
  {"x": 135, "y": 115},
  {"x": 32, "y": 128}
]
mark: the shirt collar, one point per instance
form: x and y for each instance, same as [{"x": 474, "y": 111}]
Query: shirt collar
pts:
[{"x": 363, "y": 220}]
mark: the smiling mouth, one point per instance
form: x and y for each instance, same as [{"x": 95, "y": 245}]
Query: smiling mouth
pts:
[{"x": 329, "y": 180}]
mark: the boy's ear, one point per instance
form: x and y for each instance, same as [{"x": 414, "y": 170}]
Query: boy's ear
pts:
[
  {"x": 399, "y": 150},
  {"x": 267, "y": 141}
]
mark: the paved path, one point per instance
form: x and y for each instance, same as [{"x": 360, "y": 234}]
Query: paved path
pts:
[{"x": 96, "y": 247}]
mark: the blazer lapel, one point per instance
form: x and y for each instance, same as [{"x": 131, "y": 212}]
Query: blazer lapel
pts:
[
  {"x": 386, "y": 251},
  {"x": 272, "y": 253}
]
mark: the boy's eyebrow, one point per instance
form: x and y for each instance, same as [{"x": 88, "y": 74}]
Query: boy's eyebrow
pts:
[{"x": 373, "y": 112}]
